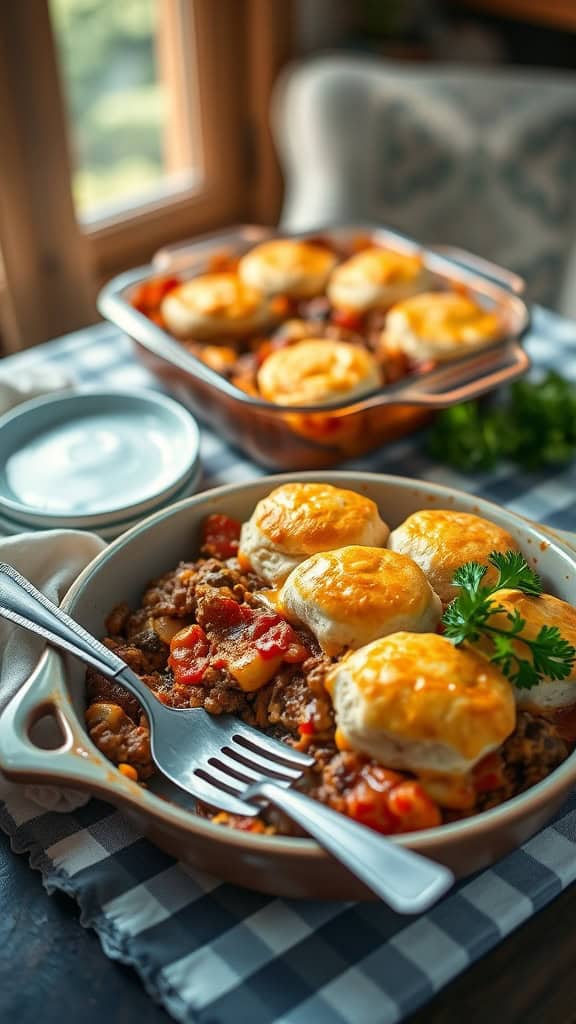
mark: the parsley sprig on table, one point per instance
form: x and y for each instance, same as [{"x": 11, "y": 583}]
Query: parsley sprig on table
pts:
[
  {"x": 467, "y": 619},
  {"x": 533, "y": 424}
]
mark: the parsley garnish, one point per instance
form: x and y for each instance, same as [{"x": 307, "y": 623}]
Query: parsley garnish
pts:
[
  {"x": 467, "y": 619},
  {"x": 533, "y": 424}
]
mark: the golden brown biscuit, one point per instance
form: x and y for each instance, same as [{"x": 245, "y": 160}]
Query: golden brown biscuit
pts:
[
  {"x": 545, "y": 610},
  {"x": 286, "y": 266},
  {"x": 376, "y": 278},
  {"x": 318, "y": 371},
  {"x": 213, "y": 305},
  {"x": 439, "y": 326},
  {"x": 300, "y": 519},
  {"x": 415, "y": 702},
  {"x": 441, "y": 540},
  {"x": 353, "y": 595}
]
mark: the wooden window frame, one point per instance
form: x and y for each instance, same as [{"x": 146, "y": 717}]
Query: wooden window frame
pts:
[
  {"x": 48, "y": 287},
  {"x": 237, "y": 48}
]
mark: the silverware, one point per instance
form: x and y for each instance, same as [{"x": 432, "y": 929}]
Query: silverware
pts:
[{"x": 227, "y": 764}]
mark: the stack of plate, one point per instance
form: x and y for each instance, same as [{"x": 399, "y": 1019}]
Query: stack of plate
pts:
[{"x": 98, "y": 461}]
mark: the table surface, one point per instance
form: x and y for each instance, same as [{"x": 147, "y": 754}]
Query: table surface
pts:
[{"x": 49, "y": 961}]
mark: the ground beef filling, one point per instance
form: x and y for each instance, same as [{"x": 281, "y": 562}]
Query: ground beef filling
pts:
[
  {"x": 211, "y": 603},
  {"x": 532, "y": 751}
]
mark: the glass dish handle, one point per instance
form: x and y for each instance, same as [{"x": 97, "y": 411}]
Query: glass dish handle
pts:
[
  {"x": 444, "y": 387},
  {"x": 480, "y": 265}
]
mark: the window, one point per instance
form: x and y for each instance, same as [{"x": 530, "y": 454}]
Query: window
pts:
[
  {"x": 185, "y": 84},
  {"x": 132, "y": 115},
  {"x": 127, "y": 125}
]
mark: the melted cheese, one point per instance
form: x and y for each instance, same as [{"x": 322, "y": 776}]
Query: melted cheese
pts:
[
  {"x": 353, "y": 595},
  {"x": 415, "y": 702},
  {"x": 439, "y": 326},
  {"x": 375, "y": 278},
  {"x": 213, "y": 305},
  {"x": 287, "y": 266},
  {"x": 316, "y": 371}
]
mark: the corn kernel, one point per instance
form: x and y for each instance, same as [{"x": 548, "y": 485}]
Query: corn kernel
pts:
[{"x": 341, "y": 741}]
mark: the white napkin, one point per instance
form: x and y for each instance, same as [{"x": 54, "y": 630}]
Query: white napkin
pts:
[
  {"x": 51, "y": 559},
  {"x": 30, "y": 383}
]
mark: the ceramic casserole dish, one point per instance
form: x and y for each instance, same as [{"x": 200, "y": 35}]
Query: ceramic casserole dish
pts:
[{"x": 285, "y": 866}]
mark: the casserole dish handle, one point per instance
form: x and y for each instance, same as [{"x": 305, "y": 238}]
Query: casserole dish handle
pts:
[
  {"x": 444, "y": 386},
  {"x": 42, "y": 742},
  {"x": 485, "y": 268}
]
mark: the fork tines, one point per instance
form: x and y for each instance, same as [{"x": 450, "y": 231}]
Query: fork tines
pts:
[
  {"x": 245, "y": 757},
  {"x": 261, "y": 743}
]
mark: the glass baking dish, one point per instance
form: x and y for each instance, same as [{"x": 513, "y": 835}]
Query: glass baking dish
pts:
[{"x": 312, "y": 437}]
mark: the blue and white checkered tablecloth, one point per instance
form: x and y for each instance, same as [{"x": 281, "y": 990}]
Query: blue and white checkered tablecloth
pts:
[{"x": 215, "y": 954}]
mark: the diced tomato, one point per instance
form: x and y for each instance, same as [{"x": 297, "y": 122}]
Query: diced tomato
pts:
[
  {"x": 385, "y": 801},
  {"x": 413, "y": 807},
  {"x": 250, "y": 643},
  {"x": 266, "y": 632},
  {"x": 488, "y": 774},
  {"x": 306, "y": 728},
  {"x": 282, "y": 306},
  {"x": 165, "y": 286},
  {"x": 279, "y": 638},
  {"x": 367, "y": 802},
  {"x": 148, "y": 296},
  {"x": 222, "y": 263},
  {"x": 347, "y": 318},
  {"x": 224, "y": 613},
  {"x": 368, "y": 809},
  {"x": 248, "y": 824},
  {"x": 262, "y": 622},
  {"x": 189, "y": 655},
  {"x": 220, "y": 536},
  {"x": 188, "y": 638},
  {"x": 156, "y": 318}
]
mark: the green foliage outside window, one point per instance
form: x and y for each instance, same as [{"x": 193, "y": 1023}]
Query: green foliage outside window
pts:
[{"x": 115, "y": 101}]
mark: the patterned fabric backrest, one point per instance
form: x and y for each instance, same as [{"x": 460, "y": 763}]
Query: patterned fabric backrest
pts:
[{"x": 480, "y": 158}]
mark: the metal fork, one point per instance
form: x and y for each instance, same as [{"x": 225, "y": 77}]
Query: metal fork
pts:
[{"x": 227, "y": 764}]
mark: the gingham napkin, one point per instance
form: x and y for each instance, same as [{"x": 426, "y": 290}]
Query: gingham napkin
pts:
[{"x": 215, "y": 954}]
